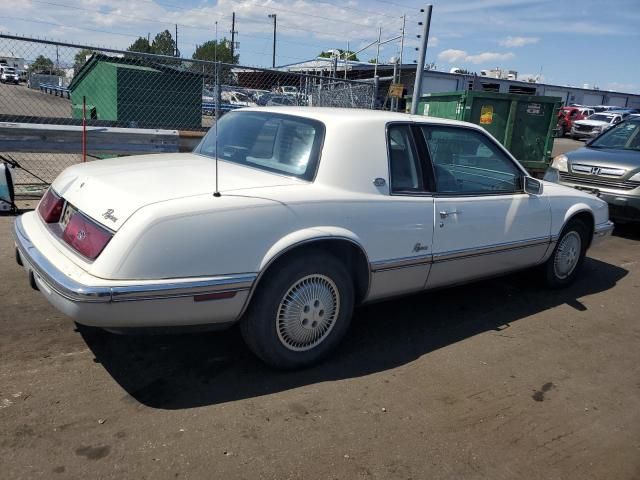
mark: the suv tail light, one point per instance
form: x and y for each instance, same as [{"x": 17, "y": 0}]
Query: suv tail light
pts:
[
  {"x": 85, "y": 236},
  {"x": 50, "y": 207}
]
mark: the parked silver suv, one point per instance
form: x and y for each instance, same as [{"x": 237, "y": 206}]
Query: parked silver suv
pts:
[{"x": 607, "y": 166}]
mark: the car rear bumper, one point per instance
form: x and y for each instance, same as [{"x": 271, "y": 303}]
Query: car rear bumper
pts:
[{"x": 109, "y": 304}]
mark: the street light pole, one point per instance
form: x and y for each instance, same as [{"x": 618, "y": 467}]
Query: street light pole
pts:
[{"x": 273, "y": 15}]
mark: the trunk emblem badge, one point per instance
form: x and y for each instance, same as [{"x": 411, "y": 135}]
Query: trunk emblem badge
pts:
[{"x": 108, "y": 215}]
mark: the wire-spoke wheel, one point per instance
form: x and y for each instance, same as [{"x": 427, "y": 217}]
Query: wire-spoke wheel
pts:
[
  {"x": 300, "y": 311},
  {"x": 568, "y": 255},
  {"x": 566, "y": 258},
  {"x": 308, "y": 312}
]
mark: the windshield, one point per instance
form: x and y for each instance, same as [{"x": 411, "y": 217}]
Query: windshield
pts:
[
  {"x": 274, "y": 142},
  {"x": 601, "y": 118},
  {"x": 624, "y": 136}
]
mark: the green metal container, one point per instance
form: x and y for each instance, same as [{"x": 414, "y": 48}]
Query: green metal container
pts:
[
  {"x": 138, "y": 93},
  {"x": 522, "y": 123}
]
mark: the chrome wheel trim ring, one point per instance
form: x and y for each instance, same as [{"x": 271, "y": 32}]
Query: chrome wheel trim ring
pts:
[
  {"x": 308, "y": 312},
  {"x": 567, "y": 255}
]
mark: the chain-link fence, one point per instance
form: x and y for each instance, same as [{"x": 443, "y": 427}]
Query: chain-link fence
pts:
[{"x": 76, "y": 103}]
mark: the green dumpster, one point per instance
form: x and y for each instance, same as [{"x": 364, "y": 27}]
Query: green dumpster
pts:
[{"x": 522, "y": 123}]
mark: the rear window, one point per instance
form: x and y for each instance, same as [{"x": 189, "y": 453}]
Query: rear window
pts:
[{"x": 278, "y": 143}]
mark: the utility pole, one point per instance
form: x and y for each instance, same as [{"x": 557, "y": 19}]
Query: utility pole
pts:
[
  {"x": 345, "y": 61},
  {"x": 375, "y": 69},
  {"x": 148, "y": 42},
  {"x": 177, "y": 52},
  {"x": 273, "y": 62},
  {"x": 233, "y": 34},
  {"x": 417, "y": 87},
  {"x": 404, "y": 19}
]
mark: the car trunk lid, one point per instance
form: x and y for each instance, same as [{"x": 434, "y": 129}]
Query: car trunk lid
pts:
[{"x": 110, "y": 191}]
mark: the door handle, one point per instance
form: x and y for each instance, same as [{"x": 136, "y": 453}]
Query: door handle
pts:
[{"x": 444, "y": 214}]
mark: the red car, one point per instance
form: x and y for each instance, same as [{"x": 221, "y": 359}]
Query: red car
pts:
[{"x": 567, "y": 115}]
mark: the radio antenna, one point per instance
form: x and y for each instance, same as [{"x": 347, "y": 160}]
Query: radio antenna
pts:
[{"x": 217, "y": 100}]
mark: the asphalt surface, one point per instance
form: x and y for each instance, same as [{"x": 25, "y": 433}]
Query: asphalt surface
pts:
[
  {"x": 20, "y": 100},
  {"x": 500, "y": 379}
]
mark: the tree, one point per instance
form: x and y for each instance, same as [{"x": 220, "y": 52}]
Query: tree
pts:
[
  {"x": 463, "y": 71},
  {"x": 45, "y": 65},
  {"x": 164, "y": 44},
  {"x": 81, "y": 58},
  {"x": 141, "y": 45},
  {"x": 349, "y": 54},
  {"x": 211, "y": 50}
]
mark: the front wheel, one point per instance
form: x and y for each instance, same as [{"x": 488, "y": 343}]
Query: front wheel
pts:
[
  {"x": 562, "y": 268},
  {"x": 300, "y": 312}
]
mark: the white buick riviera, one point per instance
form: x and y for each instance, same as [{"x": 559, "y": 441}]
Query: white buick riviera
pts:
[{"x": 316, "y": 211}]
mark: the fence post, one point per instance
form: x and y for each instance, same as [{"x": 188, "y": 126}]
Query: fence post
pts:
[{"x": 376, "y": 86}]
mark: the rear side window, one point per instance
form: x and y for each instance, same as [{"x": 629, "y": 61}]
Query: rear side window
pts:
[
  {"x": 404, "y": 166},
  {"x": 278, "y": 143},
  {"x": 467, "y": 162}
]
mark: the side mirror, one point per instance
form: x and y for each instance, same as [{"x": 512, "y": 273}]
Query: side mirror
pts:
[{"x": 532, "y": 186}]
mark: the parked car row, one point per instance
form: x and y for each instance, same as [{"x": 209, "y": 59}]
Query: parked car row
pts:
[
  {"x": 589, "y": 122},
  {"x": 233, "y": 98}
]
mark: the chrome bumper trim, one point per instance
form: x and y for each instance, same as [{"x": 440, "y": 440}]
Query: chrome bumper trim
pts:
[
  {"x": 602, "y": 231},
  {"x": 75, "y": 291}
]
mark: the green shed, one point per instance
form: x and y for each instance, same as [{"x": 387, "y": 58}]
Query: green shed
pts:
[{"x": 135, "y": 92}]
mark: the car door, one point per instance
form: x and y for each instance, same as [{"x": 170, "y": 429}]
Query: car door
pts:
[
  {"x": 485, "y": 224},
  {"x": 405, "y": 220}
]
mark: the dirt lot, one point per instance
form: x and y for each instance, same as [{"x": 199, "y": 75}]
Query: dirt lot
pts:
[{"x": 500, "y": 379}]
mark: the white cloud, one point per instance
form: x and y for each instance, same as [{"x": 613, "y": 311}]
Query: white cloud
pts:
[
  {"x": 452, "y": 56},
  {"x": 460, "y": 56},
  {"x": 511, "y": 42}
]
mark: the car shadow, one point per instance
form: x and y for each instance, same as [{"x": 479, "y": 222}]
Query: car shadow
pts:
[{"x": 191, "y": 370}]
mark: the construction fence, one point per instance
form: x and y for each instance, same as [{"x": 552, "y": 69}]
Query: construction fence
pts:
[{"x": 81, "y": 103}]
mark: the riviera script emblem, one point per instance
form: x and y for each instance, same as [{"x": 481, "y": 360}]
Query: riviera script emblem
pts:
[
  {"x": 108, "y": 215},
  {"x": 418, "y": 247}
]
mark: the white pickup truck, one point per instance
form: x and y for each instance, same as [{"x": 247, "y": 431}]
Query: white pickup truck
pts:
[{"x": 9, "y": 75}]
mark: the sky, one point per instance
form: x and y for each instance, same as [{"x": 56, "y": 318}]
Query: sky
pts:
[{"x": 564, "y": 42}]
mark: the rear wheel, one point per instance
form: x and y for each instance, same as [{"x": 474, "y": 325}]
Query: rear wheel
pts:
[
  {"x": 564, "y": 264},
  {"x": 300, "y": 312}
]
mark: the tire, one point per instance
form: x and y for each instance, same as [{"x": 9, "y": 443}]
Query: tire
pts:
[
  {"x": 300, "y": 312},
  {"x": 564, "y": 264}
]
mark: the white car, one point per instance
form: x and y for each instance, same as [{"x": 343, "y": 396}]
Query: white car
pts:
[
  {"x": 306, "y": 214},
  {"x": 594, "y": 125}
]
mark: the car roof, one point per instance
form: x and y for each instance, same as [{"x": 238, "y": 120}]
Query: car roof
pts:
[{"x": 327, "y": 114}]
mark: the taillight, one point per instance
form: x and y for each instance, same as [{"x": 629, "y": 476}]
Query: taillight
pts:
[
  {"x": 85, "y": 236},
  {"x": 50, "y": 207}
]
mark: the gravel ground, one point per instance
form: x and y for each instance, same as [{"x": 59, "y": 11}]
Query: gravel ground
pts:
[{"x": 498, "y": 379}]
